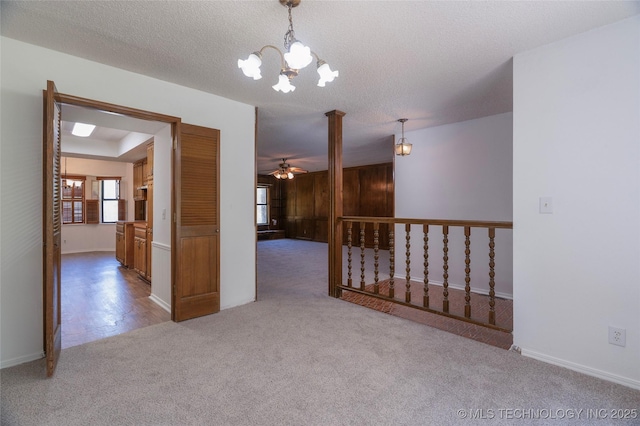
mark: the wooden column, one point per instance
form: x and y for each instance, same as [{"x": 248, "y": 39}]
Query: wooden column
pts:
[
  {"x": 335, "y": 201},
  {"x": 425, "y": 297},
  {"x": 376, "y": 256},
  {"x": 492, "y": 274},
  {"x": 362, "y": 231},
  {"x": 349, "y": 244},
  {"x": 467, "y": 271},
  {"x": 445, "y": 268}
]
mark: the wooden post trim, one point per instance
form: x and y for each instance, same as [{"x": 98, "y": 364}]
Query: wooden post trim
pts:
[{"x": 335, "y": 201}]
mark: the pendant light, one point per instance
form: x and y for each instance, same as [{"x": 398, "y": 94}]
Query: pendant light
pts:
[{"x": 403, "y": 147}]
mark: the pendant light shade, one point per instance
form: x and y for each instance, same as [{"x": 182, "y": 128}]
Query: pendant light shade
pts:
[
  {"x": 298, "y": 56},
  {"x": 284, "y": 85},
  {"x": 251, "y": 66}
]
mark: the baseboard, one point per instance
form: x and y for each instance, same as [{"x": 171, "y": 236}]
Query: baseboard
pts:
[
  {"x": 461, "y": 287},
  {"x": 160, "y": 302},
  {"x": 167, "y": 307},
  {"x": 604, "y": 375},
  {"x": 93, "y": 250},
  {"x": 222, "y": 308},
  {"x": 21, "y": 360}
]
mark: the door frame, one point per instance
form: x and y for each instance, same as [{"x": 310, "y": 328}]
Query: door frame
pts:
[{"x": 175, "y": 123}]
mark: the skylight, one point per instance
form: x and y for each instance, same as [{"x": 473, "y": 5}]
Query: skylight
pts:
[{"x": 83, "y": 130}]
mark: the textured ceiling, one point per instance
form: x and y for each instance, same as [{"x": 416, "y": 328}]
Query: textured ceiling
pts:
[{"x": 431, "y": 62}]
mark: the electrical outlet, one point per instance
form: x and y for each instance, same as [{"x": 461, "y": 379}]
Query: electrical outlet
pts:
[{"x": 617, "y": 336}]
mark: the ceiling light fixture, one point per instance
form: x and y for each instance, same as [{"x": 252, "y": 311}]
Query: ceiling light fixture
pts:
[
  {"x": 403, "y": 147},
  {"x": 283, "y": 174},
  {"x": 83, "y": 130},
  {"x": 297, "y": 56}
]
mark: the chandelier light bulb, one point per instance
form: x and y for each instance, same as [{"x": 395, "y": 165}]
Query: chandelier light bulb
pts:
[
  {"x": 326, "y": 75},
  {"x": 298, "y": 56},
  {"x": 284, "y": 85},
  {"x": 251, "y": 66}
]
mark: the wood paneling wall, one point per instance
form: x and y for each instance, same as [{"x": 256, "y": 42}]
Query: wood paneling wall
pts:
[
  {"x": 367, "y": 191},
  {"x": 277, "y": 202}
]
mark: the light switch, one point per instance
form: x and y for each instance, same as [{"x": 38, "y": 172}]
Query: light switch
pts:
[
  {"x": 164, "y": 214},
  {"x": 546, "y": 205}
]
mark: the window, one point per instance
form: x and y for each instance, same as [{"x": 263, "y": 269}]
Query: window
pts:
[
  {"x": 263, "y": 205},
  {"x": 110, "y": 194},
  {"x": 73, "y": 199}
]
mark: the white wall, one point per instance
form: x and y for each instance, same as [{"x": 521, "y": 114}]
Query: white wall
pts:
[
  {"x": 577, "y": 139},
  {"x": 95, "y": 237},
  {"x": 460, "y": 171},
  {"x": 161, "y": 244},
  {"x": 25, "y": 69}
]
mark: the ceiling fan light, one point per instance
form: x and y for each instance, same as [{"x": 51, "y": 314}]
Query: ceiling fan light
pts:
[
  {"x": 251, "y": 66},
  {"x": 284, "y": 85},
  {"x": 290, "y": 175},
  {"x": 326, "y": 75},
  {"x": 298, "y": 56}
]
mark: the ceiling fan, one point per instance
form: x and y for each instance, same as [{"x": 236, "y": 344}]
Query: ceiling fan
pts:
[{"x": 285, "y": 171}]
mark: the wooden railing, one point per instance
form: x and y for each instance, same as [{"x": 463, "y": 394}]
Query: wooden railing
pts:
[{"x": 372, "y": 225}]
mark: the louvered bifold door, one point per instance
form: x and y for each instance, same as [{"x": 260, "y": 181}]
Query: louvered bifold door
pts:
[
  {"x": 197, "y": 253},
  {"x": 52, "y": 228}
]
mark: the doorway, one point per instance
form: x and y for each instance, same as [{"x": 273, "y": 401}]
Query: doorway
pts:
[{"x": 101, "y": 297}]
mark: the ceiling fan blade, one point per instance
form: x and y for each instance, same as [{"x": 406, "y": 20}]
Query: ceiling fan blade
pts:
[{"x": 297, "y": 170}]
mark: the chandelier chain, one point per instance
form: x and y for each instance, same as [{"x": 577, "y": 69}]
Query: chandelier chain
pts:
[{"x": 290, "y": 35}]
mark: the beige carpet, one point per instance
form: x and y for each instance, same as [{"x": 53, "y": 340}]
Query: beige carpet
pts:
[{"x": 298, "y": 357}]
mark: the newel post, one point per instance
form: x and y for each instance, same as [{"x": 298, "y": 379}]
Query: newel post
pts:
[{"x": 335, "y": 201}]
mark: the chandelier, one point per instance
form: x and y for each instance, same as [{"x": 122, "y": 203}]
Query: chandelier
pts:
[
  {"x": 403, "y": 147},
  {"x": 296, "y": 57}
]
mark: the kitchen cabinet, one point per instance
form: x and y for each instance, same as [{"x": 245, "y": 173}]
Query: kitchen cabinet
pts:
[
  {"x": 140, "y": 180},
  {"x": 149, "y": 226},
  {"x": 140, "y": 250},
  {"x": 143, "y": 227},
  {"x": 149, "y": 161},
  {"x": 124, "y": 243},
  {"x": 149, "y": 239}
]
